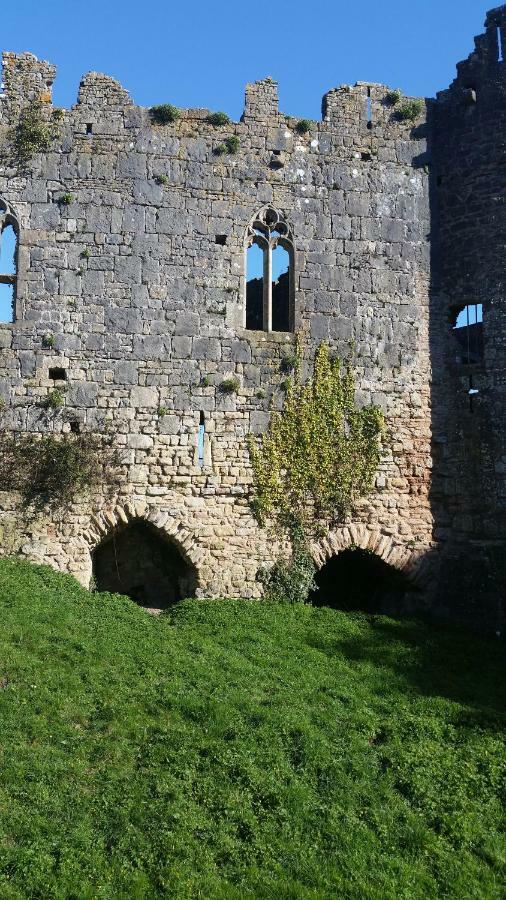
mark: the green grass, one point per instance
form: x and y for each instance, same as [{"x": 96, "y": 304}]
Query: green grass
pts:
[{"x": 234, "y": 749}]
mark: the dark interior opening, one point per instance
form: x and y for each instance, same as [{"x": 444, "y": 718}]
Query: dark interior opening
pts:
[
  {"x": 221, "y": 239},
  {"x": 255, "y": 287},
  {"x": 280, "y": 289},
  {"x": 57, "y": 373},
  {"x": 358, "y": 580},
  {"x": 89, "y": 128},
  {"x": 145, "y": 565},
  {"x": 255, "y": 304}
]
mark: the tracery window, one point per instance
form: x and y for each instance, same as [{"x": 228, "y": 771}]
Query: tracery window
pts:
[
  {"x": 9, "y": 231},
  {"x": 270, "y": 277}
]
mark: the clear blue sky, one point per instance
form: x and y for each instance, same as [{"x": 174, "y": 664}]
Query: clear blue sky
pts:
[{"x": 202, "y": 53}]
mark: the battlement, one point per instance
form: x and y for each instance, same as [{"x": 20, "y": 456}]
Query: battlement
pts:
[{"x": 346, "y": 108}]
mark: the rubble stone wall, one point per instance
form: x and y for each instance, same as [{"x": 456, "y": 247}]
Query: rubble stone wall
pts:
[{"x": 127, "y": 288}]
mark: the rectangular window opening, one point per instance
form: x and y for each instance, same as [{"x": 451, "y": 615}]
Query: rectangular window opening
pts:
[
  {"x": 201, "y": 439},
  {"x": 221, "y": 239},
  {"x": 89, "y": 128},
  {"x": 369, "y": 108},
  {"x": 499, "y": 45},
  {"x": 56, "y": 373},
  {"x": 6, "y": 303}
]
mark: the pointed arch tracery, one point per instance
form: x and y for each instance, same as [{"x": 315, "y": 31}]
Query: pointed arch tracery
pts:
[{"x": 269, "y": 300}]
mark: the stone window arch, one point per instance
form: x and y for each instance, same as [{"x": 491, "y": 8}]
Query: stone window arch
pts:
[
  {"x": 270, "y": 273},
  {"x": 9, "y": 241}
]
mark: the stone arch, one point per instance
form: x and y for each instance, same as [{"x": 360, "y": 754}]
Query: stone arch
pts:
[
  {"x": 155, "y": 528},
  {"x": 414, "y": 565}
]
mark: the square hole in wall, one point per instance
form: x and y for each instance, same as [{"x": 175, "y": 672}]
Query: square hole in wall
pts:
[
  {"x": 57, "y": 373},
  {"x": 221, "y": 239},
  {"x": 89, "y": 128}
]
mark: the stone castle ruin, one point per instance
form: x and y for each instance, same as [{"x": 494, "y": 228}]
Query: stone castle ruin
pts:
[{"x": 161, "y": 273}]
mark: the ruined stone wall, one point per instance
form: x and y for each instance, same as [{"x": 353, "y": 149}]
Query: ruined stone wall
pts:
[
  {"x": 146, "y": 310},
  {"x": 468, "y": 202}
]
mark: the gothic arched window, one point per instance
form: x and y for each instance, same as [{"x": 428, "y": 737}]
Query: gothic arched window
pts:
[
  {"x": 270, "y": 278},
  {"x": 9, "y": 231}
]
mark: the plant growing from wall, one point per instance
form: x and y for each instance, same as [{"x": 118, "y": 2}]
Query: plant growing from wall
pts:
[
  {"x": 218, "y": 118},
  {"x": 34, "y": 133},
  {"x": 288, "y": 362},
  {"x": 229, "y": 386},
  {"x": 392, "y": 97},
  {"x": 303, "y": 126},
  {"x": 409, "y": 111},
  {"x": 232, "y": 144},
  {"x": 318, "y": 455},
  {"x": 51, "y": 471},
  {"x": 164, "y": 114},
  {"x": 54, "y": 400},
  {"x": 161, "y": 179},
  {"x": 65, "y": 199},
  {"x": 290, "y": 580}
]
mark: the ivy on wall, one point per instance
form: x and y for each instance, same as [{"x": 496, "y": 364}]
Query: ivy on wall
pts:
[
  {"x": 319, "y": 454},
  {"x": 51, "y": 471}
]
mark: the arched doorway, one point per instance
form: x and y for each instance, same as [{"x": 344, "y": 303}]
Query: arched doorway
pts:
[
  {"x": 358, "y": 580},
  {"x": 141, "y": 562}
]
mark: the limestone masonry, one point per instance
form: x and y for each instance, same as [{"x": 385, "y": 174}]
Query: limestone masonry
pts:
[{"x": 135, "y": 292}]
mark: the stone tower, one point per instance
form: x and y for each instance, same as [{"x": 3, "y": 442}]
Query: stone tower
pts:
[{"x": 134, "y": 298}]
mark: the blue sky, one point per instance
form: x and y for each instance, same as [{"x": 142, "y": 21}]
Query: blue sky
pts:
[{"x": 202, "y": 53}]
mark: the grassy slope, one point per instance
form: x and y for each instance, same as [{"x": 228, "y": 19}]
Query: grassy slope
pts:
[{"x": 236, "y": 749}]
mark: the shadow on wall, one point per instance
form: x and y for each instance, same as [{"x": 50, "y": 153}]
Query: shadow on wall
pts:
[
  {"x": 144, "y": 564},
  {"x": 359, "y": 580}
]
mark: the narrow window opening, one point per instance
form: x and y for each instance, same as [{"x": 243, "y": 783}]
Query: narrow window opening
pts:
[
  {"x": 280, "y": 289},
  {"x": 468, "y": 330},
  {"x": 8, "y": 267},
  {"x": 368, "y": 108},
  {"x": 89, "y": 128},
  {"x": 57, "y": 374},
  {"x": 221, "y": 239},
  {"x": 270, "y": 281},
  {"x": 499, "y": 45},
  {"x": 201, "y": 439},
  {"x": 75, "y": 427},
  {"x": 255, "y": 288}
]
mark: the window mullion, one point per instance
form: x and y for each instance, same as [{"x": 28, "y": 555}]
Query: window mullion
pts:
[{"x": 268, "y": 289}]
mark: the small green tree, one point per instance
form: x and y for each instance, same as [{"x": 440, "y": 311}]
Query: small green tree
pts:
[
  {"x": 318, "y": 455},
  {"x": 34, "y": 132}
]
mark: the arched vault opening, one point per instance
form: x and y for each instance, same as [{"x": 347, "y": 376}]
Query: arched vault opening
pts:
[
  {"x": 144, "y": 563},
  {"x": 359, "y": 580}
]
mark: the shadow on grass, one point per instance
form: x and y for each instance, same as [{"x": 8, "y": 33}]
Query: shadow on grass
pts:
[{"x": 435, "y": 660}]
